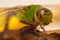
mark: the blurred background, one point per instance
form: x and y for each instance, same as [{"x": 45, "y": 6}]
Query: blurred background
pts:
[{"x": 53, "y": 5}]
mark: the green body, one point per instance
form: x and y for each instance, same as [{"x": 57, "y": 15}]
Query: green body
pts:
[{"x": 28, "y": 14}]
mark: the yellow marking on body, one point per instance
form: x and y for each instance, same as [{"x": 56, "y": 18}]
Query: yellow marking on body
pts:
[{"x": 15, "y": 24}]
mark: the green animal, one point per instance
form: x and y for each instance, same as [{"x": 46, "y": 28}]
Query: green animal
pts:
[
  {"x": 27, "y": 16},
  {"x": 23, "y": 21}
]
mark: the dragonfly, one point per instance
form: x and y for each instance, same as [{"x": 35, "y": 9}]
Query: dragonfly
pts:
[{"x": 25, "y": 18}]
